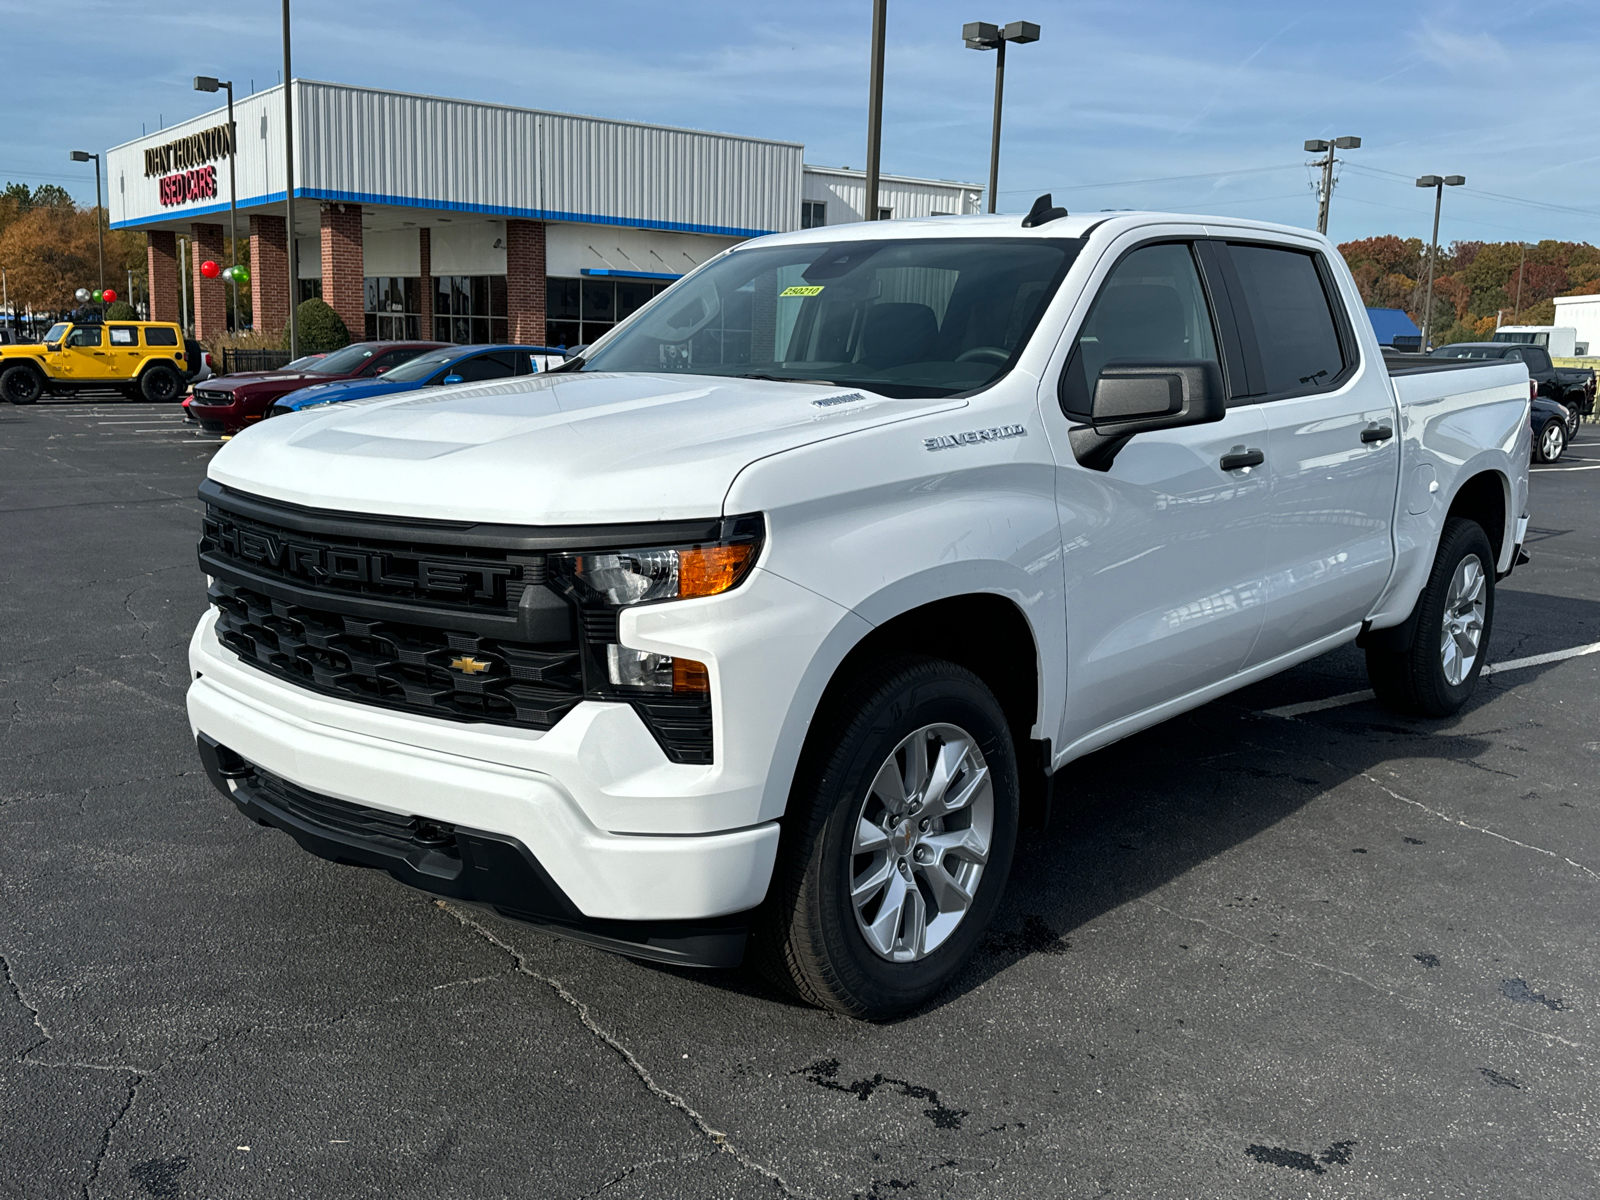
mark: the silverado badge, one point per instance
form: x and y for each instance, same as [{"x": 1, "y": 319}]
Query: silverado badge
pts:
[{"x": 468, "y": 665}]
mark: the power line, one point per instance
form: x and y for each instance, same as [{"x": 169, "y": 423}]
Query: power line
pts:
[
  {"x": 1080, "y": 187},
  {"x": 1471, "y": 191}
]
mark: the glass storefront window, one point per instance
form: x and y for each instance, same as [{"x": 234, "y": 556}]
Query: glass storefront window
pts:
[
  {"x": 393, "y": 305},
  {"x": 577, "y": 311},
  {"x": 470, "y": 310}
]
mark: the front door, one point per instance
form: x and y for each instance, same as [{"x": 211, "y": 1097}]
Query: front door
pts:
[
  {"x": 83, "y": 355},
  {"x": 1165, "y": 552},
  {"x": 1333, "y": 447}
]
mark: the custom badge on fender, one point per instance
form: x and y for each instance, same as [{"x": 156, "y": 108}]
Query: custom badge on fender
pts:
[{"x": 974, "y": 437}]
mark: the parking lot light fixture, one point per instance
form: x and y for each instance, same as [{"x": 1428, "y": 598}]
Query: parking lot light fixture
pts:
[
  {"x": 980, "y": 35},
  {"x": 1438, "y": 183},
  {"x": 209, "y": 83},
  {"x": 99, "y": 235}
]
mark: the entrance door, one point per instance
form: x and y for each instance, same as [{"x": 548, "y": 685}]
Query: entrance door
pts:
[
  {"x": 1332, "y": 447},
  {"x": 1165, "y": 552}
]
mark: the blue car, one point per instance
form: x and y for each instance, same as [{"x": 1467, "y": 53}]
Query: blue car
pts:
[{"x": 454, "y": 364}]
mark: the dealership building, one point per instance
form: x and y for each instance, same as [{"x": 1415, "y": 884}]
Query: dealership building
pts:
[{"x": 418, "y": 216}]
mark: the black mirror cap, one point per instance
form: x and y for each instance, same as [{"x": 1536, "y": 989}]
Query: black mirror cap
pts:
[{"x": 1139, "y": 397}]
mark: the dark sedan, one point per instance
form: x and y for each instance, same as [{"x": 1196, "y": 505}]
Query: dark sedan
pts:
[
  {"x": 1550, "y": 422},
  {"x": 231, "y": 403}
]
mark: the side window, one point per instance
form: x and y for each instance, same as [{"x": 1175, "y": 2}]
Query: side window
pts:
[
  {"x": 160, "y": 337},
  {"x": 1152, "y": 308},
  {"x": 1537, "y": 359},
  {"x": 124, "y": 335},
  {"x": 84, "y": 335},
  {"x": 390, "y": 359},
  {"x": 1294, "y": 326},
  {"x": 484, "y": 366}
]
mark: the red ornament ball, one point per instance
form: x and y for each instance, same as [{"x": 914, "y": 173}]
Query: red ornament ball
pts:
[
  {"x": 109, "y": 296},
  {"x": 210, "y": 269}
]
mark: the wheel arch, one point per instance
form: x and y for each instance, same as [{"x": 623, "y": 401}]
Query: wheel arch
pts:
[{"x": 1485, "y": 497}]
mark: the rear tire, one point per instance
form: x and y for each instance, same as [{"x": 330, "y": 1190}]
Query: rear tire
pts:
[
  {"x": 161, "y": 385},
  {"x": 21, "y": 384},
  {"x": 885, "y": 879},
  {"x": 1551, "y": 441},
  {"x": 1574, "y": 420},
  {"x": 1456, "y": 615}
]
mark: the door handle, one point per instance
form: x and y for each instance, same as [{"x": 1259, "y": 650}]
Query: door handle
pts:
[
  {"x": 1377, "y": 433},
  {"x": 1241, "y": 458}
]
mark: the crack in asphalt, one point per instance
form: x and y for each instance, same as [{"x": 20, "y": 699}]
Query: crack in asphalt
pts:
[
  {"x": 716, "y": 1137},
  {"x": 105, "y": 1138},
  {"x": 623, "y": 1174},
  {"x": 1443, "y": 816},
  {"x": 11, "y": 982}
]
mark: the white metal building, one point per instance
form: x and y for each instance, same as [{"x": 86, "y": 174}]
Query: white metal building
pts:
[{"x": 418, "y": 216}]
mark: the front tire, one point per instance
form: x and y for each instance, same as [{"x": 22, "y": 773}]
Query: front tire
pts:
[
  {"x": 897, "y": 843},
  {"x": 161, "y": 385},
  {"x": 21, "y": 384},
  {"x": 1456, "y": 614}
]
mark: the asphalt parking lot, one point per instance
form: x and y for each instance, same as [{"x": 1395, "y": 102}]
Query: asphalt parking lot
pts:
[{"x": 1272, "y": 949}]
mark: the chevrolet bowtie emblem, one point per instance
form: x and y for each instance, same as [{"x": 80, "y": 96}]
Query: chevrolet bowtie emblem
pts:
[{"x": 468, "y": 665}]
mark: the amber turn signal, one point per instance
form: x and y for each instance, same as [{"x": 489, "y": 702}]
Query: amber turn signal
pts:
[
  {"x": 689, "y": 676},
  {"x": 709, "y": 570}
]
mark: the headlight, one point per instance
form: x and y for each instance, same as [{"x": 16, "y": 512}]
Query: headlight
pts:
[{"x": 608, "y": 580}]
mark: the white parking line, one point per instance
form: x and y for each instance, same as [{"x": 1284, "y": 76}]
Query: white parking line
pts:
[
  {"x": 1562, "y": 470},
  {"x": 1290, "y": 711}
]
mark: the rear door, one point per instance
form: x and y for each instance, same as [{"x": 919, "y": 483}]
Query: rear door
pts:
[
  {"x": 1331, "y": 444},
  {"x": 1165, "y": 551},
  {"x": 124, "y": 353}
]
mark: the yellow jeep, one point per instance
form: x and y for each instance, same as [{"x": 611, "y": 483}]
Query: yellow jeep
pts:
[{"x": 138, "y": 358}]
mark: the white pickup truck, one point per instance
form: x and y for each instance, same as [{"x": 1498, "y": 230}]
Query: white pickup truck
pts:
[{"x": 771, "y": 622}]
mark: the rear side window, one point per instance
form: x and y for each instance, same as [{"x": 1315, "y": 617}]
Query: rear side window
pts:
[
  {"x": 485, "y": 366},
  {"x": 124, "y": 335},
  {"x": 1537, "y": 358},
  {"x": 1294, "y": 325},
  {"x": 155, "y": 336}
]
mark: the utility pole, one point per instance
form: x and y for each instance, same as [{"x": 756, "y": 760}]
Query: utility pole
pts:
[
  {"x": 288, "y": 192},
  {"x": 880, "y": 18},
  {"x": 99, "y": 236},
  {"x": 980, "y": 35},
  {"x": 1325, "y": 193},
  {"x": 1438, "y": 183},
  {"x": 1521, "y": 267},
  {"x": 206, "y": 83}
]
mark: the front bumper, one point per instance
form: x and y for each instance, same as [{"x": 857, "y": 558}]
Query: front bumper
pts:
[{"x": 470, "y": 865}]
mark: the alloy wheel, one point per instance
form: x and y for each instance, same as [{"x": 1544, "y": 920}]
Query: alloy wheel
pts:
[
  {"x": 1465, "y": 606},
  {"x": 921, "y": 843},
  {"x": 1552, "y": 441}
]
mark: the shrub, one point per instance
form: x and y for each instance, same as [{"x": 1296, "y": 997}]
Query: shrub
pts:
[
  {"x": 321, "y": 329},
  {"x": 120, "y": 310}
]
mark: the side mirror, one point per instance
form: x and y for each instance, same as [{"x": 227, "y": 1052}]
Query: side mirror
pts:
[
  {"x": 1138, "y": 397},
  {"x": 379, "y": 370},
  {"x": 451, "y": 379},
  {"x": 53, "y": 347}
]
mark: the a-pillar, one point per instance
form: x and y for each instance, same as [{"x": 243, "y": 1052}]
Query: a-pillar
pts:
[
  {"x": 425, "y": 283},
  {"x": 525, "y": 282},
  {"x": 344, "y": 266},
  {"x": 269, "y": 273},
  {"x": 210, "y": 303},
  {"x": 161, "y": 266}
]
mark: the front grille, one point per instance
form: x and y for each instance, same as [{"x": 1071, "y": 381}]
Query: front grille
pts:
[
  {"x": 426, "y": 617},
  {"x": 451, "y": 674}
]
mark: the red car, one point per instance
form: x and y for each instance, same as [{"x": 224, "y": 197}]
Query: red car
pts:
[{"x": 232, "y": 402}]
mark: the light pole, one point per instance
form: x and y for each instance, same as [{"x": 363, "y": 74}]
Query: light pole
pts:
[
  {"x": 880, "y": 18},
  {"x": 1438, "y": 183},
  {"x": 99, "y": 237},
  {"x": 288, "y": 193},
  {"x": 980, "y": 35},
  {"x": 1317, "y": 146},
  {"x": 205, "y": 83}
]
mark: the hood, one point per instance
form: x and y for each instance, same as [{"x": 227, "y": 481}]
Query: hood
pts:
[
  {"x": 548, "y": 449},
  {"x": 339, "y": 390},
  {"x": 241, "y": 379}
]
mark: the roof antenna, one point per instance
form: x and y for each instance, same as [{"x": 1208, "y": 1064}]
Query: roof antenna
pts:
[{"x": 1042, "y": 211}]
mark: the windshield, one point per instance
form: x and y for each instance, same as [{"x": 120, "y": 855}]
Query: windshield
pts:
[
  {"x": 342, "y": 362},
  {"x": 57, "y": 332},
  {"x": 926, "y": 317},
  {"x": 301, "y": 364},
  {"x": 1470, "y": 351},
  {"x": 420, "y": 368}
]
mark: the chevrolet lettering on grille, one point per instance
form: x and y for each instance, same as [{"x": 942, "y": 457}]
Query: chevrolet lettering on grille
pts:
[{"x": 320, "y": 563}]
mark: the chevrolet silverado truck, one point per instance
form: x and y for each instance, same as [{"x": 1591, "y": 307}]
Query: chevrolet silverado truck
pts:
[
  {"x": 137, "y": 358},
  {"x": 764, "y": 628}
]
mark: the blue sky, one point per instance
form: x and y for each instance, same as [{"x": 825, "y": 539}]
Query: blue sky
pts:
[{"x": 1196, "y": 107}]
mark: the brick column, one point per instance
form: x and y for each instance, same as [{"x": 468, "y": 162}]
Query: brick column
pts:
[
  {"x": 161, "y": 263},
  {"x": 425, "y": 258},
  {"x": 525, "y": 282},
  {"x": 209, "y": 297},
  {"x": 269, "y": 273},
  {"x": 344, "y": 266}
]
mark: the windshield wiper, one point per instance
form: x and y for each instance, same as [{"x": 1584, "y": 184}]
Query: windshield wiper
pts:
[{"x": 792, "y": 379}]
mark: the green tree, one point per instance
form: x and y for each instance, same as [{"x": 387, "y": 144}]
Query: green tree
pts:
[{"x": 121, "y": 310}]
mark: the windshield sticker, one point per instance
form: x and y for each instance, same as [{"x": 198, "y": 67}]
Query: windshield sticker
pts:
[
  {"x": 974, "y": 437},
  {"x": 830, "y": 401},
  {"x": 802, "y": 291}
]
